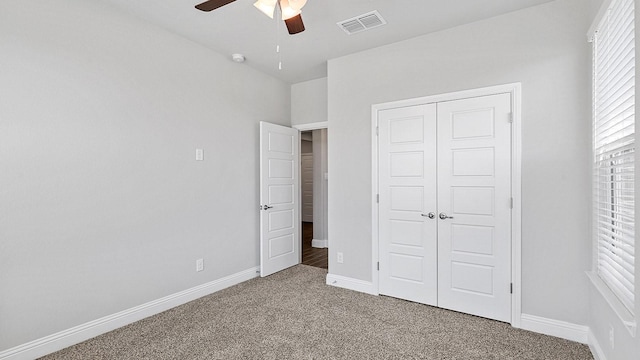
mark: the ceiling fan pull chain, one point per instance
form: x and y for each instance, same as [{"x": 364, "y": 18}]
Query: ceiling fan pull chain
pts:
[
  {"x": 279, "y": 59},
  {"x": 278, "y": 39}
]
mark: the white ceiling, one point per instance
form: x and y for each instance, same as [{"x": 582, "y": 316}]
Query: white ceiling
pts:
[{"x": 241, "y": 28}]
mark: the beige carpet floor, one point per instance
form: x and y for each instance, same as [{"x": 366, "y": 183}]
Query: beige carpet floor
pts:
[{"x": 294, "y": 315}]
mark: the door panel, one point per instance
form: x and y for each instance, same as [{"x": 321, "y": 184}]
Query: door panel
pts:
[
  {"x": 280, "y": 220},
  {"x": 281, "y": 246},
  {"x": 470, "y": 200},
  {"x": 472, "y": 239},
  {"x": 281, "y": 194},
  {"x": 473, "y": 162},
  {"x": 473, "y": 278},
  {"x": 279, "y": 191},
  {"x": 408, "y": 250},
  {"x": 474, "y": 188}
]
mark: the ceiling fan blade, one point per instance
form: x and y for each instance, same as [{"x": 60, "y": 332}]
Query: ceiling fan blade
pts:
[
  {"x": 213, "y": 4},
  {"x": 295, "y": 24}
]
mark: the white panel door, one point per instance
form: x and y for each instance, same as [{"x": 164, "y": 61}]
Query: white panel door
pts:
[
  {"x": 451, "y": 160},
  {"x": 307, "y": 187},
  {"x": 279, "y": 198},
  {"x": 407, "y": 186},
  {"x": 474, "y": 193}
]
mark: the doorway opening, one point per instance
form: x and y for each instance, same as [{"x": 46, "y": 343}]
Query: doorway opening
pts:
[{"x": 313, "y": 195}]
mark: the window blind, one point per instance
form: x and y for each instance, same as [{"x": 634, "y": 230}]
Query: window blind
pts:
[{"x": 614, "y": 148}]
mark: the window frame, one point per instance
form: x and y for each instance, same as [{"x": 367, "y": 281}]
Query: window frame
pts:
[{"x": 614, "y": 166}]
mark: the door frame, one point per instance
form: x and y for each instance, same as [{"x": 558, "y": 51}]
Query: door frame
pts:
[{"x": 515, "y": 90}]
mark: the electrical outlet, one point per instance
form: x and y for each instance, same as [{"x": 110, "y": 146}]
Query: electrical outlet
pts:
[
  {"x": 199, "y": 264},
  {"x": 199, "y": 154},
  {"x": 340, "y": 258},
  {"x": 611, "y": 338}
]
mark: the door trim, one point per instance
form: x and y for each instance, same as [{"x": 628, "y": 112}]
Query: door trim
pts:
[
  {"x": 309, "y": 127},
  {"x": 312, "y": 126},
  {"x": 515, "y": 90}
]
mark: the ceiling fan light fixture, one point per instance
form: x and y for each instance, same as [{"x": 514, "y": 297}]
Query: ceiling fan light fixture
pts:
[
  {"x": 297, "y": 4},
  {"x": 288, "y": 11},
  {"x": 266, "y": 6}
]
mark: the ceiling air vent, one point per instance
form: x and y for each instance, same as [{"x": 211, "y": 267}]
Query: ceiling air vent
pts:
[{"x": 362, "y": 22}]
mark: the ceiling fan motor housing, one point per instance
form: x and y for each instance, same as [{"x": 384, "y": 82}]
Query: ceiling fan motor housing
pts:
[{"x": 290, "y": 10}]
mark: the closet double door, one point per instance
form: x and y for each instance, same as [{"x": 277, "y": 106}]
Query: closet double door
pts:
[{"x": 445, "y": 204}]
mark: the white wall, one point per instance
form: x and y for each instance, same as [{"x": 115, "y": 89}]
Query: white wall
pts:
[
  {"x": 544, "y": 48},
  {"x": 102, "y": 206},
  {"x": 602, "y": 318},
  {"x": 309, "y": 102}
]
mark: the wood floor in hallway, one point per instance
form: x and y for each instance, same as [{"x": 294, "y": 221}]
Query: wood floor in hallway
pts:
[{"x": 310, "y": 255}]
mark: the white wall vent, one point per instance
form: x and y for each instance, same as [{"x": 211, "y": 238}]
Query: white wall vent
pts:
[{"x": 362, "y": 22}]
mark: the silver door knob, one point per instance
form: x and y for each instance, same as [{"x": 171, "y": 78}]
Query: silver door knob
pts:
[
  {"x": 444, "y": 216},
  {"x": 266, "y": 207},
  {"x": 430, "y": 215}
]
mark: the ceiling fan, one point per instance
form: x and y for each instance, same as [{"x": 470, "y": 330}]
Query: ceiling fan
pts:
[{"x": 290, "y": 10}]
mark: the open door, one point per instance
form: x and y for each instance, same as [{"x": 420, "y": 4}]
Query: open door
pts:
[{"x": 279, "y": 198}]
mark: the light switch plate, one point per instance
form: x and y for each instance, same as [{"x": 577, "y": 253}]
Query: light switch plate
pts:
[{"x": 199, "y": 154}]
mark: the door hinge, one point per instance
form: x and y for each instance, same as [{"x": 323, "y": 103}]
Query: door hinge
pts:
[
  {"x": 510, "y": 117},
  {"x": 377, "y": 198},
  {"x": 378, "y": 265},
  {"x": 377, "y": 130},
  {"x": 511, "y": 288},
  {"x": 511, "y": 205}
]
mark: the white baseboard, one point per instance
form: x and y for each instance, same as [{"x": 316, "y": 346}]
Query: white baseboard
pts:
[
  {"x": 80, "y": 333},
  {"x": 557, "y": 328},
  {"x": 351, "y": 284},
  {"x": 319, "y": 243},
  {"x": 595, "y": 348}
]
